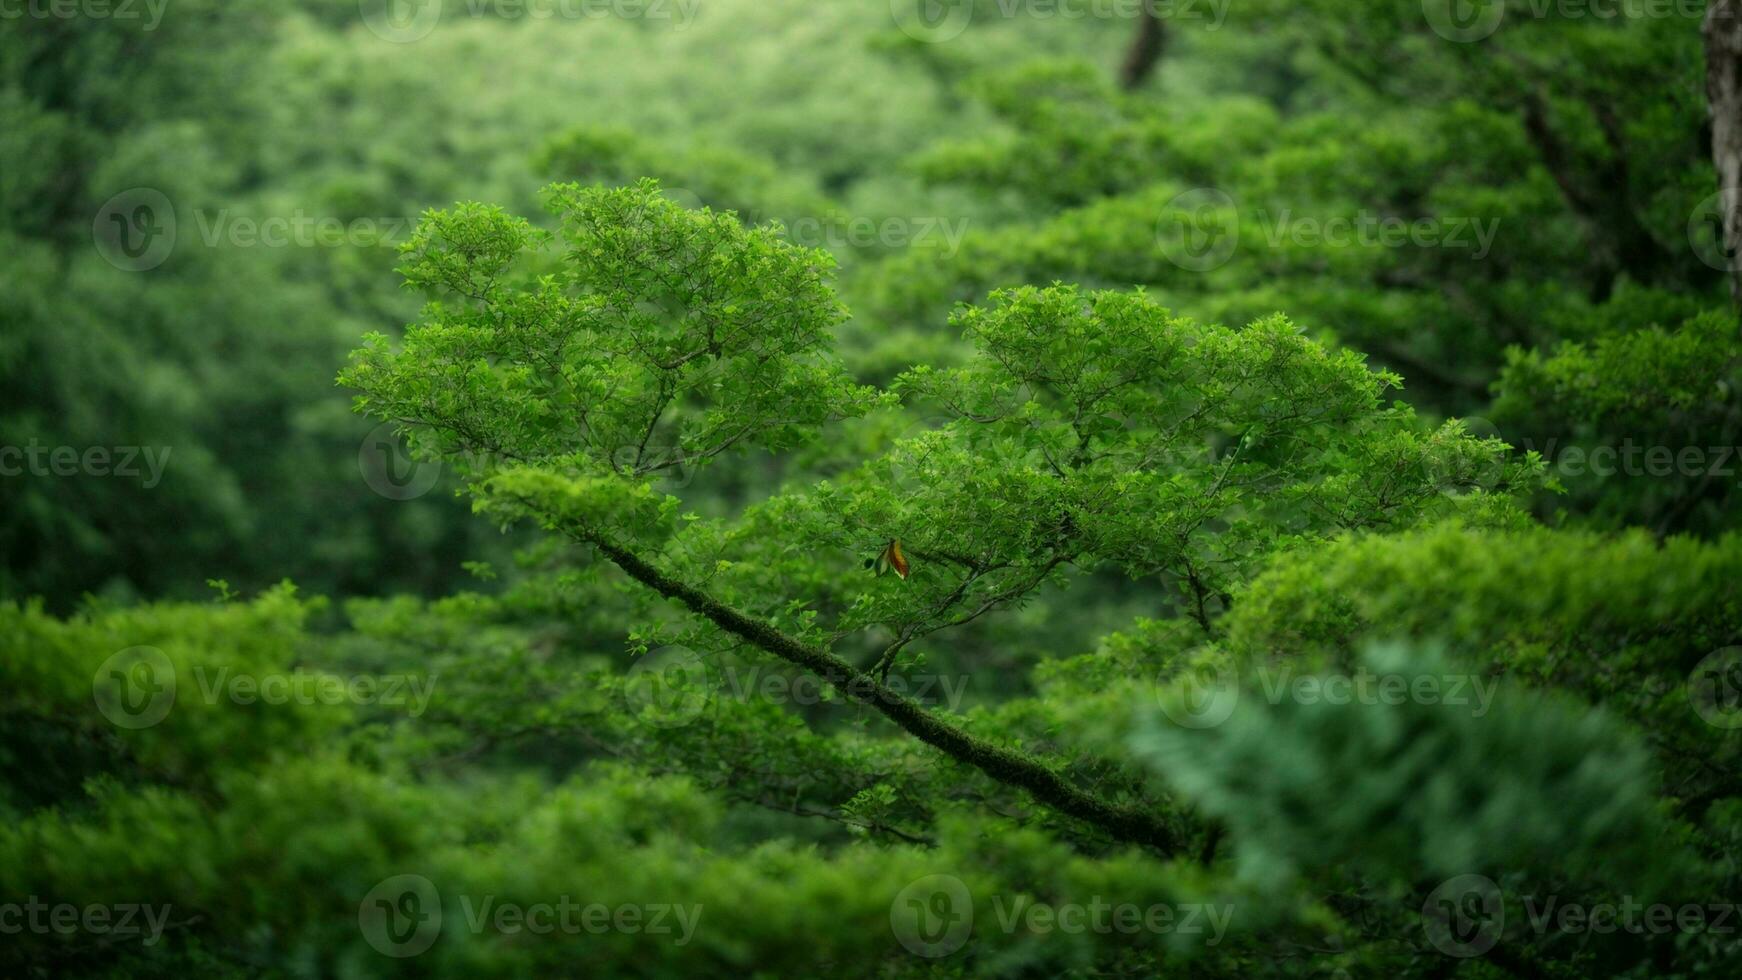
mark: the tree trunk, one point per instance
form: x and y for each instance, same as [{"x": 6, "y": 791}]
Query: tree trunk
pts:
[
  {"x": 1146, "y": 48},
  {"x": 1723, "y": 31}
]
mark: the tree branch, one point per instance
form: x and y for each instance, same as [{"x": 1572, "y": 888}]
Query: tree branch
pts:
[
  {"x": 1146, "y": 48},
  {"x": 1004, "y": 765}
]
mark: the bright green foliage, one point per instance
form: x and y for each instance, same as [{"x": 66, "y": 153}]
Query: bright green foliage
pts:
[
  {"x": 1101, "y": 428},
  {"x": 1089, "y": 429},
  {"x": 1144, "y": 434},
  {"x": 666, "y": 336},
  {"x": 1505, "y": 191}
]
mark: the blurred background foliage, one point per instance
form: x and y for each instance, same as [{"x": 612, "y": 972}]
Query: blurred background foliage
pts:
[{"x": 1596, "y": 316}]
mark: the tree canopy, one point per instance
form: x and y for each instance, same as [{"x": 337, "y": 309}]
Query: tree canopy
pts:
[{"x": 1196, "y": 490}]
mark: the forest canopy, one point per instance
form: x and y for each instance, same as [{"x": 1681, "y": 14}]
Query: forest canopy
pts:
[{"x": 661, "y": 488}]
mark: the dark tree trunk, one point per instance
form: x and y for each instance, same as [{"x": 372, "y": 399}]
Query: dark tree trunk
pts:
[
  {"x": 1146, "y": 48},
  {"x": 1723, "y": 30}
]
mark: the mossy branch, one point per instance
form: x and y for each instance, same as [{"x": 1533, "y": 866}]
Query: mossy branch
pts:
[{"x": 1007, "y": 766}]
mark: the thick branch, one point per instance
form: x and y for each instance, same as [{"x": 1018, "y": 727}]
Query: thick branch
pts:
[{"x": 1006, "y": 766}]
